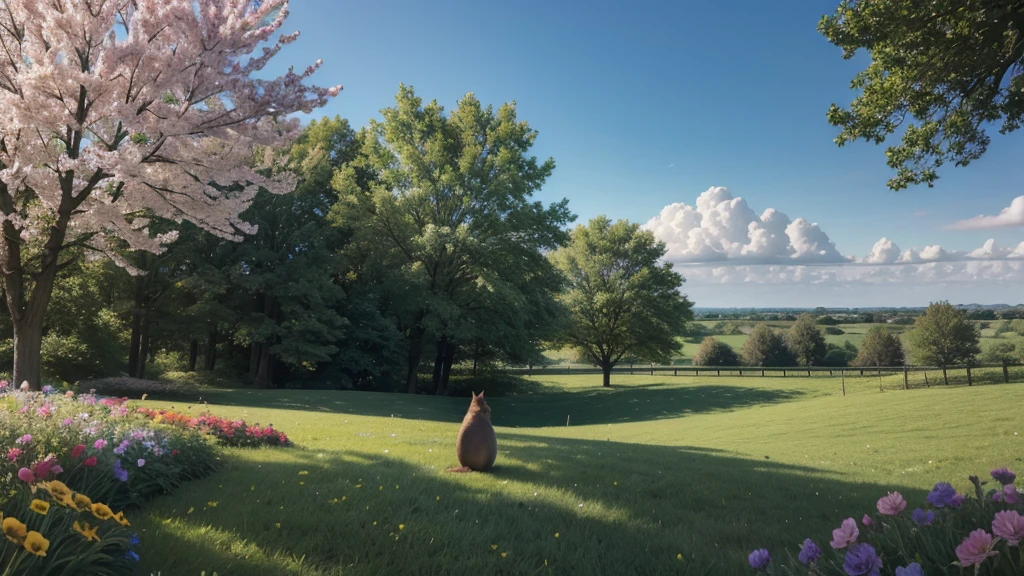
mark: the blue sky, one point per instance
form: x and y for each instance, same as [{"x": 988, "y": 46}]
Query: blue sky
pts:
[{"x": 645, "y": 104}]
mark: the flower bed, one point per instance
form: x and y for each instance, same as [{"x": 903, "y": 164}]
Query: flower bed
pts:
[
  {"x": 950, "y": 534},
  {"x": 227, "y": 432},
  {"x": 67, "y": 462}
]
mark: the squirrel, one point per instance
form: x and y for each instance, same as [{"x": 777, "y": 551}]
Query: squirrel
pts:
[{"x": 477, "y": 445}]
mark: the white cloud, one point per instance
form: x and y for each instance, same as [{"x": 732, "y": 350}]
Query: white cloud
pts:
[
  {"x": 1012, "y": 215},
  {"x": 883, "y": 252},
  {"x": 722, "y": 228}
]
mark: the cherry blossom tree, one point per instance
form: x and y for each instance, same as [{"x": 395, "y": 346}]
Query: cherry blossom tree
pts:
[{"x": 116, "y": 112}]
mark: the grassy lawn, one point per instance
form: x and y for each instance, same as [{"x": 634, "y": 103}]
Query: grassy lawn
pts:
[{"x": 653, "y": 468}]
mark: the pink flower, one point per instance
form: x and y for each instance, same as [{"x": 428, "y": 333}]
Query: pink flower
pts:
[
  {"x": 26, "y": 475},
  {"x": 3, "y": 384},
  {"x": 1010, "y": 494},
  {"x": 77, "y": 450},
  {"x": 24, "y": 439},
  {"x": 1009, "y": 525},
  {"x": 13, "y": 454},
  {"x": 90, "y": 461},
  {"x": 70, "y": 393},
  {"x": 975, "y": 548},
  {"x": 891, "y": 504},
  {"x": 866, "y": 520},
  {"x": 99, "y": 444},
  {"x": 845, "y": 535}
]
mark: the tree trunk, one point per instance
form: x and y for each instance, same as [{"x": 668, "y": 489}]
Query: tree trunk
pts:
[
  {"x": 28, "y": 343},
  {"x": 193, "y": 354},
  {"x": 416, "y": 335},
  {"x": 446, "y": 367},
  {"x": 1006, "y": 372},
  {"x": 606, "y": 370},
  {"x": 144, "y": 341},
  {"x": 263, "y": 373},
  {"x": 442, "y": 345},
  {"x": 138, "y": 314},
  {"x": 210, "y": 356},
  {"x": 254, "y": 361},
  {"x": 945, "y": 378}
]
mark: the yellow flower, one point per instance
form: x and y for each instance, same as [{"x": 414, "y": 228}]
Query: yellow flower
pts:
[
  {"x": 36, "y": 544},
  {"x": 14, "y": 530},
  {"x": 252, "y": 488},
  {"x": 615, "y": 483},
  {"x": 556, "y": 534},
  {"x": 58, "y": 490},
  {"x": 504, "y": 554},
  {"x": 39, "y": 506},
  {"x": 303, "y": 472},
  {"x": 438, "y": 498},
  {"x": 102, "y": 511},
  {"x": 401, "y": 526},
  {"x": 87, "y": 532},
  {"x": 191, "y": 509},
  {"x": 381, "y": 488},
  {"x": 83, "y": 502},
  {"x": 119, "y": 517},
  {"x": 494, "y": 546},
  {"x": 277, "y": 524},
  {"x": 212, "y": 504},
  {"x": 359, "y": 485},
  {"x": 679, "y": 556}
]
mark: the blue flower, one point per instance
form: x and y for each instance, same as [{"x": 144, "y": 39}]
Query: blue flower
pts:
[
  {"x": 759, "y": 559},
  {"x": 809, "y": 552},
  {"x": 120, "y": 473},
  {"x": 913, "y": 570},
  {"x": 942, "y": 495},
  {"x": 923, "y": 518}
]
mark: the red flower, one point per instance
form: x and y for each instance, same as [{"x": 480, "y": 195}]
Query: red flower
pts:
[
  {"x": 174, "y": 452},
  {"x": 90, "y": 461},
  {"x": 77, "y": 450}
]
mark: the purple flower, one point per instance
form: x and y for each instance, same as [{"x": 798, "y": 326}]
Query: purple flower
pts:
[
  {"x": 866, "y": 520},
  {"x": 67, "y": 421},
  {"x": 24, "y": 439},
  {"x": 891, "y": 504},
  {"x": 47, "y": 389},
  {"x": 956, "y": 501},
  {"x": 26, "y": 475},
  {"x": 845, "y": 535},
  {"x": 120, "y": 473},
  {"x": 1003, "y": 476},
  {"x": 122, "y": 447},
  {"x": 942, "y": 495},
  {"x": 1010, "y": 494},
  {"x": 141, "y": 462},
  {"x": 862, "y": 560},
  {"x": 975, "y": 548},
  {"x": 809, "y": 552},
  {"x": 1009, "y": 525},
  {"x": 922, "y": 518},
  {"x": 913, "y": 570},
  {"x": 99, "y": 444},
  {"x": 759, "y": 559}
]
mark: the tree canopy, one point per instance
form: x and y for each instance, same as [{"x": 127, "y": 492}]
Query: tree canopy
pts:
[
  {"x": 766, "y": 347},
  {"x": 941, "y": 72},
  {"x": 714, "y": 352},
  {"x": 806, "y": 341},
  {"x": 621, "y": 298},
  {"x": 880, "y": 347},
  {"x": 943, "y": 336}
]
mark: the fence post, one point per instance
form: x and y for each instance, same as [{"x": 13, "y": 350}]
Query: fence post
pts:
[
  {"x": 1006, "y": 372},
  {"x": 652, "y": 368},
  {"x": 969, "y": 381},
  {"x": 762, "y": 372},
  {"x": 630, "y": 369},
  {"x": 926, "y": 385},
  {"x": 843, "y": 373},
  {"x": 808, "y": 373},
  {"x": 675, "y": 371},
  {"x": 783, "y": 373},
  {"x": 719, "y": 371},
  {"x": 568, "y": 368},
  {"x": 741, "y": 372},
  {"x": 879, "y": 378},
  {"x": 906, "y": 378},
  {"x": 696, "y": 371}
]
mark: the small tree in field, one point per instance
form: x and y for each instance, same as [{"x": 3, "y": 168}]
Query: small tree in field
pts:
[
  {"x": 1004, "y": 354},
  {"x": 880, "y": 347},
  {"x": 116, "y": 112},
  {"x": 766, "y": 347},
  {"x": 806, "y": 341},
  {"x": 622, "y": 300},
  {"x": 715, "y": 353},
  {"x": 943, "y": 337}
]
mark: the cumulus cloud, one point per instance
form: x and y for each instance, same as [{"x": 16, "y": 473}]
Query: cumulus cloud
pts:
[
  {"x": 1012, "y": 215},
  {"x": 722, "y": 228},
  {"x": 883, "y": 252}
]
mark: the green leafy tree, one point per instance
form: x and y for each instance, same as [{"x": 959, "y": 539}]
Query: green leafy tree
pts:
[
  {"x": 943, "y": 336},
  {"x": 940, "y": 72},
  {"x": 766, "y": 347},
  {"x": 806, "y": 341},
  {"x": 715, "y": 353},
  {"x": 880, "y": 347},
  {"x": 621, "y": 299},
  {"x": 839, "y": 356},
  {"x": 445, "y": 202},
  {"x": 1004, "y": 354}
]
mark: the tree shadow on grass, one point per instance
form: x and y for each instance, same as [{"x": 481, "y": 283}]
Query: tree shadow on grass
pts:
[
  {"x": 552, "y": 506},
  {"x": 580, "y": 407}
]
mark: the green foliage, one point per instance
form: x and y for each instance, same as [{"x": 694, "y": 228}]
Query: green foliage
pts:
[
  {"x": 834, "y": 331},
  {"x": 621, "y": 299},
  {"x": 943, "y": 336},
  {"x": 806, "y": 341},
  {"x": 1003, "y": 353},
  {"x": 766, "y": 347},
  {"x": 715, "y": 353},
  {"x": 839, "y": 356},
  {"x": 880, "y": 347},
  {"x": 940, "y": 72}
]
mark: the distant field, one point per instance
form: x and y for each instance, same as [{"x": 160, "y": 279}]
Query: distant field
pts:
[{"x": 854, "y": 333}]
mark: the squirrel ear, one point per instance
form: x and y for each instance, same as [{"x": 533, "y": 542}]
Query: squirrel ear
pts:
[
  {"x": 481, "y": 394},
  {"x": 473, "y": 393}
]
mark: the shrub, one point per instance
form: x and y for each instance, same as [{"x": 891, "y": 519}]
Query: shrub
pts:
[
  {"x": 715, "y": 353},
  {"x": 834, "y": 331},
  {"x": 227, "y": 432},
  {"x": 135, "y": 388},
  {"x": 839, "y": 356},
  {"x": 496, "y": 384},
  {"x": 766, "y": 347},
  {"x": 948, "y": 534}
]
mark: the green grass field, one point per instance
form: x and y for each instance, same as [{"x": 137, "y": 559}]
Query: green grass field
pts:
[{"x": 646, "y": 471}]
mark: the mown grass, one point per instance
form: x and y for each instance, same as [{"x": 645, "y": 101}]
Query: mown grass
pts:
[{"x": 654, "y": 468}]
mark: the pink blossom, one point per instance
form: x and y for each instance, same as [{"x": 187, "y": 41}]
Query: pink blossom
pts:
[
  {"x": 891, "y": 504},
  {"x": 1009, "y": 525},
  {"x": 976, "y": 548},
  {"x": 26, "y": 475},
  {"x": 13, "y": 454},
  {"x": 866, "y": 520},
  {"x": 69, "y": 393},
  {"x": 90, "y": 461},
  {"x": 3, "y": 384},
  {"x": 845, "y": 535},
  {"x": 1010, "y": 494},
  {"x": 99, "y": 444},
  {"x": 24, "y": 439}
]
